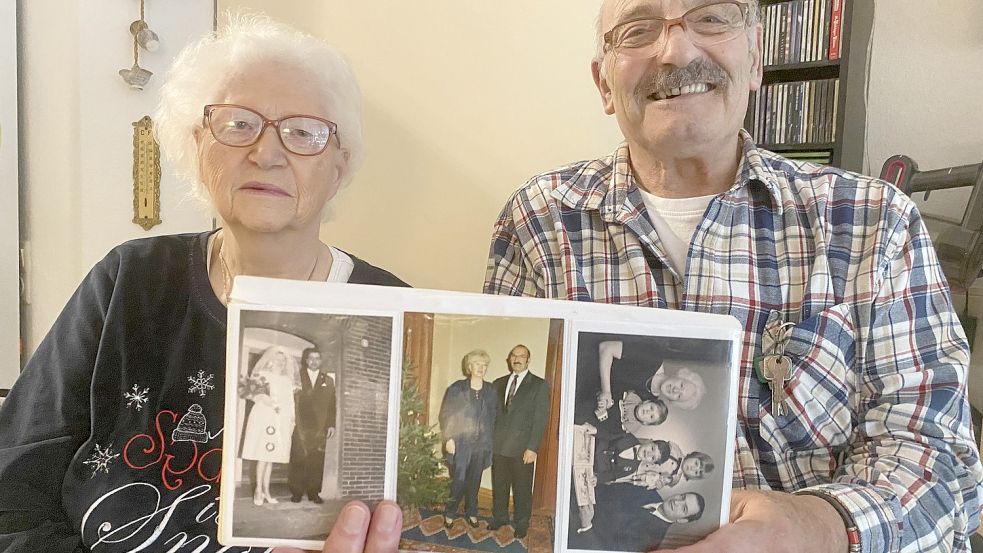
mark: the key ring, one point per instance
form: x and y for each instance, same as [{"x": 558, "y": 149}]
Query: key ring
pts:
[{"x": 779, "y": 342}]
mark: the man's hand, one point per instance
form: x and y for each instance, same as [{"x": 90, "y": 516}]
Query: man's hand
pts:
[
  {"x": 449, "y": 446},
  {"x": 765, "y": 522},
  {"x": 330, "y": 433},
  {"x": 352, "y": 532},
  {"x": 529, "y": 457}
]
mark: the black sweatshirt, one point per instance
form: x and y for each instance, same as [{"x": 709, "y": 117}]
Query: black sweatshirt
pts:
[{"x": 110, "y": 440}]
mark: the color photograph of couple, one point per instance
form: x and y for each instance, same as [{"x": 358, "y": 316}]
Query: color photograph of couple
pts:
[
  {"x": 646, "y": 454},
  {"x": 478, "y": 439}
]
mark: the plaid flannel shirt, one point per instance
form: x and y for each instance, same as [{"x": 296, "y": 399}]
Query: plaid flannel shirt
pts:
[{"x": 877, "y": 414}]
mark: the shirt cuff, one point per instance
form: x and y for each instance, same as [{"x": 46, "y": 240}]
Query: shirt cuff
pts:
[{"x": 877, "y": 519}]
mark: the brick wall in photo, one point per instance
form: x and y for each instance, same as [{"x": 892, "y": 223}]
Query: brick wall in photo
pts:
[{"x": 366, "y": 355}]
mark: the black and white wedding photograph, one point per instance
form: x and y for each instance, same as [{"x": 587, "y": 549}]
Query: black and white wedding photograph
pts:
[
  {"x": 649, "y": 440},
  {"x": 310, "y": 421}
]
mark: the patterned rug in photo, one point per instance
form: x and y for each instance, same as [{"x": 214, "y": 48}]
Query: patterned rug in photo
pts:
[{"x": 424, "y": 526}]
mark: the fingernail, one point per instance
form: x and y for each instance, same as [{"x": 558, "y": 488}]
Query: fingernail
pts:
[
  {"x": 387, "y": 515},
  {"x": 353, "y": 519}
]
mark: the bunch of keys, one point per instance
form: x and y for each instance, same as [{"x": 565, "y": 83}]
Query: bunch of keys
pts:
[{"x": 775, "y": 368}]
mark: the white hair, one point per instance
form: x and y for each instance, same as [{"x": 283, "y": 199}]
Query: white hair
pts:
[
  {"x": 202, "y": 70},
  {"x": 754, "y": 14}
]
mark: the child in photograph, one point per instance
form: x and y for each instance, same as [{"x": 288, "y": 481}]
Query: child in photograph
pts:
[
  {"x": 629, "y": 414},
  {"x": 619, "y": 456},
  {"x": 267, "y": 437},
  {"x": 695, "y": 465}
]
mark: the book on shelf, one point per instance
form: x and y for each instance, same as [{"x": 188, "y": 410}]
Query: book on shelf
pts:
[
  {"x": 802, "y": 31},
  {"x": 422, "y": 395},
  {"x": 835, "y": 29},
  {"x": 797, "y": 112}
]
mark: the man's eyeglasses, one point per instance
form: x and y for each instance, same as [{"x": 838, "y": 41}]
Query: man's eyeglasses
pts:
[
  {"x": 239, "y": 126},
  {"x": 704, "y": 25}
]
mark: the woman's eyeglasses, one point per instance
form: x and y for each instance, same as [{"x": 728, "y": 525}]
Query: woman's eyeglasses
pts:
[{"x": 239, "y": 127}]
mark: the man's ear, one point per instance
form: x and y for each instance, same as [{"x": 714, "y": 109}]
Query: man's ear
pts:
[{"x": 601, "y": 81}]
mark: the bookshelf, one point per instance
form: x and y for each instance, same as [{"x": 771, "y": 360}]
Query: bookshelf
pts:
[{"x": 811, "y": 104}]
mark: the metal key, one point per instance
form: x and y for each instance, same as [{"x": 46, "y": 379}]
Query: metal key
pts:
[{"x": 777, "y": 370}]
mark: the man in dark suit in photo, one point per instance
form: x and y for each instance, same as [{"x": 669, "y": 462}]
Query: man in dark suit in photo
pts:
[
  {"x": 523, "y": 410},
  {"x": 632, "y": 518},
  {"x": 315, "y": 424}
]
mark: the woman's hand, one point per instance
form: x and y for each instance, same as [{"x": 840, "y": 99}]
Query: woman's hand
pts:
[
  {"x": 353, "y": 532},
  {"x": 449, "y": 446},
  {"x": 604, "y": 401}
]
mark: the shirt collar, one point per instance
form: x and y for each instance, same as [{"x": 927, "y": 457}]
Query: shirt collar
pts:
[
  {"x": 519, "y": 377},
  {"x": 605, "y": 184},
  {"x": 654, "y": 510}
]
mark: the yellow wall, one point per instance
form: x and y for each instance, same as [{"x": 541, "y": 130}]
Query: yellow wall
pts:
[{"x": 464, "y": 101}]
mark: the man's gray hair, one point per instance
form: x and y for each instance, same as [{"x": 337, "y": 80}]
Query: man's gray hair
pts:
[
  {"x": 754, "y": 16},
  {"x": 202, "y": 70}
]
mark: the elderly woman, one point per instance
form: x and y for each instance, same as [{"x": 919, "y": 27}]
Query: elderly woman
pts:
[
  {"x": 467, "y": 424},
  {"x": 270, "y": 426},
  {"x": 111, "y": 438},
  {"x": 619, "y": 372}
]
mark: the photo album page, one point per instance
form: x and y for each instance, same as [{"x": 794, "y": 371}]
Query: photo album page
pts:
[{"x": 498, "y": 424}]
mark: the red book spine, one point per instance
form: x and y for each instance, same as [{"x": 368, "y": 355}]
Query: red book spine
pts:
[{"x": 835, "y": 28}]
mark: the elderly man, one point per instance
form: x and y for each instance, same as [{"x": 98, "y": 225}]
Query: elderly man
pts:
[{"x": 867, "y": 444}]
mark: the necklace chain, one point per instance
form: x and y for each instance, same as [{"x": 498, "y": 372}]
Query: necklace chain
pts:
[{"x": 227, "y": 274}]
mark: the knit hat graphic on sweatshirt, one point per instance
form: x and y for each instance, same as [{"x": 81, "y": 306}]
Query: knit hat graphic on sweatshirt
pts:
[{"x": 191, "y": 427}]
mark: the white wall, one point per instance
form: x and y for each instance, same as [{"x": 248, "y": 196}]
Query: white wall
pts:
[
  {"x": 464, "y": 101},
  {"x": 9, "y": 265},
  {"x": 77, "y": 149},
  {"x": 925, "y": 80}
]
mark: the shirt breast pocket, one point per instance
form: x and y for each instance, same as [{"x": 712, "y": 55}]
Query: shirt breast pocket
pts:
[{"x": 818, "y": 412}]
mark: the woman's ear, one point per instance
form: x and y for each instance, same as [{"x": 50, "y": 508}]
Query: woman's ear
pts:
[{"x": 341, "y": 165}]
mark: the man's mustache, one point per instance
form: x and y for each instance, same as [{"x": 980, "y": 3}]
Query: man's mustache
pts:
[{"x": 698, "y": 71}]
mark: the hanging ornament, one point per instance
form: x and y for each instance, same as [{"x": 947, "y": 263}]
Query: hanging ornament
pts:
[{"x": 136, "y": 76}]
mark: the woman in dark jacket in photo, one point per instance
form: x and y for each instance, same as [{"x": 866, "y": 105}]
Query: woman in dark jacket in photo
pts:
[{"x": 467, "y": 423}]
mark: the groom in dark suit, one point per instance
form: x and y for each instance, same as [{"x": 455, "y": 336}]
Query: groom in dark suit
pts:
[
  {"x": 523, "y": 410},
  {"x": 315, "y": 423}
]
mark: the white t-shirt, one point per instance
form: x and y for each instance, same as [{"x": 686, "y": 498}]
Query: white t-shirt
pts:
[
  {"x": 341, "y": 267},
  {"x": 675, "y": 221}
]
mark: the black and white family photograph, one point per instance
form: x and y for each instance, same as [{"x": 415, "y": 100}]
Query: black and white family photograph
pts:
[
  {"x": 310, "y": 418},
  {"x": 649, "y": 440},
  {"x": 478, "y": 433}
]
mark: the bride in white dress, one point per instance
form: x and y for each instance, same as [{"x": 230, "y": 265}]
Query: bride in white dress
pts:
[{"x": 270, "y": 424}]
